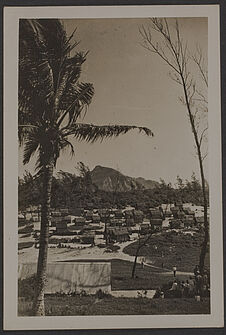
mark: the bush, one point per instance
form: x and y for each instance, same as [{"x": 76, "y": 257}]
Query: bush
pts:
[
  {"x": 101, "y": 294},
  {"x": 23, "y": 245},
  {"x": 26, "y": 287}
]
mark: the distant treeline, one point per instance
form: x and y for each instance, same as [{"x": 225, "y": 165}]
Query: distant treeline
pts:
[{"x": 72, "y": 191}]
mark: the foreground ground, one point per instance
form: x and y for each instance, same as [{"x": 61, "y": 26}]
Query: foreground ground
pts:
[
  {"x": 180, "y": 249},
  {"x": 91, "y": 305}
]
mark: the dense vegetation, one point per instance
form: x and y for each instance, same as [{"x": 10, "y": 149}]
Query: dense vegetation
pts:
[{"x": 73, "y": 190}]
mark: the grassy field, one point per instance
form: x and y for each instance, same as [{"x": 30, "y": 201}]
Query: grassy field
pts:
[
  {"x": 90, "y": 305},
  {"x": 147, "y": 278},
  {"x": 172, "y": 248}
]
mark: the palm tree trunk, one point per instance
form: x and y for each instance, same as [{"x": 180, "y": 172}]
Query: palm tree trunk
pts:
[{"x": 38, "y": 305}]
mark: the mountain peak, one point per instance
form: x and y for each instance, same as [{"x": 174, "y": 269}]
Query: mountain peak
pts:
[{"x": 111, "y": 180}]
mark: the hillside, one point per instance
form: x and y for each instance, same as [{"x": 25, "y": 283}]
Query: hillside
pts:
[{"x": 110, "y": 180}]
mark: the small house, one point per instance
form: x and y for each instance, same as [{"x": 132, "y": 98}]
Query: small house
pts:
[
  {"x": 54, "y": 220},
  {"x": 21, "y": 220},
  {"x": 61, "y": 227},
  {"x": 56, "y": 214},
  {"x": 89, "y": 206},
  {"x": 118, "y": 214},
  {"x": 130, "y": 222},
  {"x": 138, "y": 216},
  {"x": 155, "y": 213},
  {"x": 200, "y": 220},
  {"x": 156, "y": 224},
  {"x": 116, "y": 222},
  {"x": 174, "y": 211},
  {"x": 88, "y": 238},
  {"x": 89, "y": 215},
  {"x": 96, "y": 218},
  {"x": 175, "y": 224},
  {"x": 118, "y": 234},
  {"x": 188, "y": 211},
  {"x": 79, "y": 211},
  {"x": 67, "y": 219},
  {"x": 104, "y": 214},
  {"x": 180, "y": 215},
  {"x": 167, "y": 213},
  {"x": 128, "y": 214},
  {"x": 64, "y": 211},
  {"x": 189, "y": 222},
  {"x": 79, "y": 220},
  {"x": 145, "y": 227}
]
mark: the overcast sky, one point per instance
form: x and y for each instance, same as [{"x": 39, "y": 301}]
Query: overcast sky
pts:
[{"x": 132, "y": 86}]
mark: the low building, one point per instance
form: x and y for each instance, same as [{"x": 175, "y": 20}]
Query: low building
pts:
[
  {"x": 180, "y": 215},
  {"x": 79, "y": 220},
  {"x": 64, "y": 211},
  {"x": 55, "y": 220},
  {"x": 188, "y": 211},
  {"x": 174, "y": 211},
  {"x": 128, "y": 214},
  {"x": 96, "y": 218},
  {"x": 21, "y": 220},
  {"x": 176, "y": 224},
  {"x": 56, "y": 214},
  {"x": 118, "y": 234},
  {"x": 167, "y": 213},
  {"x": 138, "y": 216},
  {"x": 145, "y": 228},
  {"x": 61, "y": 228},
  {"x": 78, "y": 211},
  {"x": 118, "y": 214},
  {"x": 156, "y": 224},
  {"x": 155, "y": 213},
  {"x": 200, "y": 221},
  {"x": 88, "y": 238},
  {"x": 116, "y": 222},
  {"x": 89, "y": 215},
  {"x": 67, "y": 219},
  {"x": 130, "y": 222}
]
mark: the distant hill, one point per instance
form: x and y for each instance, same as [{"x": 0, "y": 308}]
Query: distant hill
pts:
[{"x": 110, "y": 180}]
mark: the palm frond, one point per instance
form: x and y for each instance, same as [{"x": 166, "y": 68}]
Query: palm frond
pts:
[
  {"x": 74, "y": 100},
  {"x": 92, "y": 133},
  {"x": 67, "y": 144},
  {"x": 30, "y": 147}
]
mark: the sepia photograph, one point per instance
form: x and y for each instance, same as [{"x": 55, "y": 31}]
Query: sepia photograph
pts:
[{"x": 115, "y": 204}]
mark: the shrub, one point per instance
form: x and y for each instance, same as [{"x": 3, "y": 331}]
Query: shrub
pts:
[
  {"x": 26, "y": 287},
  {"x": 101, "y": 294}
]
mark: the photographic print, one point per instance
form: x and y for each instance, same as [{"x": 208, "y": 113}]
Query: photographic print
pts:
[{"x": 115, "y": 210}]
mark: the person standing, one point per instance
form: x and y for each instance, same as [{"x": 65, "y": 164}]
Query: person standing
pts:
[{"x": 174, "y": 271}]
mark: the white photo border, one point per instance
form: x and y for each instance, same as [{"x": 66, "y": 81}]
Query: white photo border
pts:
[{"x": 10, "y": 150}]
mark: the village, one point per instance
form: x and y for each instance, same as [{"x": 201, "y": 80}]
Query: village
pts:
[{"x": 79, "y": 228}]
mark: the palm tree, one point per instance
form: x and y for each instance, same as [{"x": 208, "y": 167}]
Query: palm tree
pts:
[{"x": 51, "y": 100}]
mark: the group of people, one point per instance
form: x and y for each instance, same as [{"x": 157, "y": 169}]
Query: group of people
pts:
[
  {"x": 195, "y": 286},
  {"x": 202, "y": 282}
]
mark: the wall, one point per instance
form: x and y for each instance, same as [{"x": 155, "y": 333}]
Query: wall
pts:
[{"x": 72, "y": 276}]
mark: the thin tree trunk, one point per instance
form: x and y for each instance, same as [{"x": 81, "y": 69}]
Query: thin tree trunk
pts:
[
  {"x": 198, "y": 146},
  {"x": 38, "y": 305},
  {"x": 206, "y": 224},
  {"x": 134, "y": 264}
]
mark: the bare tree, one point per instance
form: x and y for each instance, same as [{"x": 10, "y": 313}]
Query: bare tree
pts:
[
  {"x": 142, "y": 241},
  {"x": 171, "y": 48}
]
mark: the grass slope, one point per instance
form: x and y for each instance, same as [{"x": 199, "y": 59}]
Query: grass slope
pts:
[{"x": 172, "y": 248}]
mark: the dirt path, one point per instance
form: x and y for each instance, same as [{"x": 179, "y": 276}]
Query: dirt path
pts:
[{"x": 168, "y": 270}]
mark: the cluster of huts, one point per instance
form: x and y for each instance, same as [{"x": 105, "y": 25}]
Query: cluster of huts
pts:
[{"x": 115, "y": 225}]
